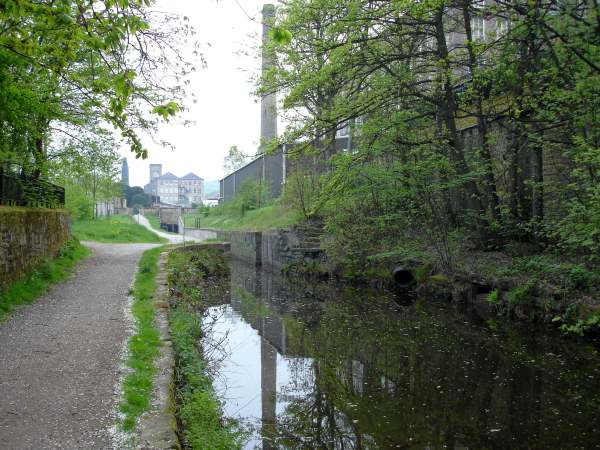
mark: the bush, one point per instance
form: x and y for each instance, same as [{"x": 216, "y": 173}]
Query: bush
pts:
[
  {"x": 79, "y": 204},
  {"x": 252, "y": 195}
]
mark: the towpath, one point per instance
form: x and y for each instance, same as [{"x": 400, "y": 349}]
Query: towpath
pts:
[
  {"x": 59, "y": 358},
  {"x": 172, "y": 238}
]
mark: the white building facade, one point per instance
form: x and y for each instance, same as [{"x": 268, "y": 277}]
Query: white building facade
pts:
[{"x": 185, "y": 191}]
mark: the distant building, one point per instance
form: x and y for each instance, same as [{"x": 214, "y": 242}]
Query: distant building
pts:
[
  {"x": 124, "y": 172},
  {"x": 184, "y": 191}
]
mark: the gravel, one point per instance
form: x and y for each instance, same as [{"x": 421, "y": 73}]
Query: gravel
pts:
[{"x": 60, "y": 357}]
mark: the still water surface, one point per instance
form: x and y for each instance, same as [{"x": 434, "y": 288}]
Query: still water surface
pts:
[{"x": 310, "y": 365}]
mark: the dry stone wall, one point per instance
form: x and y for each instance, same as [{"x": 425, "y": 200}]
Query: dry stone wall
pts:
[{"x": 27, "y": 236}]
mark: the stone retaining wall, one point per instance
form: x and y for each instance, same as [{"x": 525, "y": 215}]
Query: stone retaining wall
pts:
[
  {"x": 27, "y": 236},
  {"x": 245, "y": 245},
  {"x": 274, "y": 249},
  {"x": 201, "y": 234}
]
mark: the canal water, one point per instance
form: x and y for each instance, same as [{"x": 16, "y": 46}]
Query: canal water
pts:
[{"x": 311, "y": 365}]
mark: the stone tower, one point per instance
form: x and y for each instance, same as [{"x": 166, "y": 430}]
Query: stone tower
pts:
[
  {"x": 124, "y": 172},
  {"x": 268, "y": 103},
  {"x": 155, "y": 171}
]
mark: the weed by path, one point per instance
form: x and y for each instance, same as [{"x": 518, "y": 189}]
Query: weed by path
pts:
[
  {"x": 143, "y": 346},
  {"x": 37, "y": 281}
]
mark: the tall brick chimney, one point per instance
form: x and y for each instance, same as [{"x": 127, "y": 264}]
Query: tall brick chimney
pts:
[{"x": 268, "y": 104}]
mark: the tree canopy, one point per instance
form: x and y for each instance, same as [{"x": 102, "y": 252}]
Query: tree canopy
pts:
[
  {"x": 68, "y": 66},
  {"x": 479, "y": 116}
]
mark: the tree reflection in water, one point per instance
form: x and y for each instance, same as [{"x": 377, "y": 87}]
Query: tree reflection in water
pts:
[{"x": 350, "y": 369}]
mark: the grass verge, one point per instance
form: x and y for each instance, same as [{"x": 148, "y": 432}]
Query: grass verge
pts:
[
  {"x": 37, "y": 281},
  {"x": 197, "y": 281},
  {"x": 143, "y": 346},
  {"x": 116, "y": 229},
  {"x": 274, "y": 216}
]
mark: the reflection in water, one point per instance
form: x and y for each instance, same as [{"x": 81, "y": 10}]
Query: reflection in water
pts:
[{"x": 313, "y": 366}]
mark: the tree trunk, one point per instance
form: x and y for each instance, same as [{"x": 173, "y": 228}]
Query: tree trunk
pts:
[
  {"x": 489, "y": 182},
  {"x": 448, "y": 107}
]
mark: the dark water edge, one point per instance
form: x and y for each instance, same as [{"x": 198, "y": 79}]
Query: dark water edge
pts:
[{"x": 313, "y": 365}]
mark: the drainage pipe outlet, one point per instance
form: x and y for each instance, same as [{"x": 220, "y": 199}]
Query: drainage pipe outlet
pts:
[{"x": 403, "y": 277}]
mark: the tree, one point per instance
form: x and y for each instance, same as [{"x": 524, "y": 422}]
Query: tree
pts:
[
  {"x": 70, "y": 65},
  {"x": 421, "y": 76},
  {"x": 88, "y": 168},
  {"x": 235, "y": 159},
  {"x": 135, "y": 195}
]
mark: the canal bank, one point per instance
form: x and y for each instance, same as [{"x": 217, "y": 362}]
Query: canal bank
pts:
[
  {"x": 536, "y": 288},
  {"x": 323, "y": 365}
]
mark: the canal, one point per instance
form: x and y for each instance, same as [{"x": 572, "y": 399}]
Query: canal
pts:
[{"x": 312, "y": 365}]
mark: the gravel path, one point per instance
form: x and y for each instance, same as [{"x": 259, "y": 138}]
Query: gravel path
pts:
[
  {"x": 172, "y": 238},
  {"x": 59, "y": 358}
]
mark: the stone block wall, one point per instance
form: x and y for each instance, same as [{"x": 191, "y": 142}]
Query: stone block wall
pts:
[
  {"x": 245, "y": 245},
  {"x": 27, "y": 236},
  {"x": 277, "y": 248},
  {"x": 169, "y": 216},
  {"x": 274, "y": 249}
]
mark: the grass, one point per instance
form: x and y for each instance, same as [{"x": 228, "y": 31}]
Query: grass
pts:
[
  {"x": 116, "y": 229},
  {"x": 274, "y": 216},
  {"x": 143, "y": 346},
  {"x": 36, "y": 282}
]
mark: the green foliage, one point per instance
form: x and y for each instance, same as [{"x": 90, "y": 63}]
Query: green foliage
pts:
[
  {"x": 280, "y": 36},
  {"x": 235, "y": 159},
  {"x": 252, "y": 195},
  {"x": 414, "y": 182},
  {"x": 136, "y": 196},
  {"x": 522, "y": 295},
  {"x": 88, "y": 169},
  {"x": 114, "y": 229},
  {"x": 38, "y": 280},
  {"x": 421, "y": 274},
  {"x": 68, "y": 66},
  {"x": 493, "y": 297},
  {"x": 583, "y": 326},
  {"x": 302, "y": 191},
  {"x": 79, "y": 204},
  {"x": 251, "y": 209},
  {"x": 226, "y": 218},
  {"x": 143, "y": 346},
  {"x": 567, "y": 276}
]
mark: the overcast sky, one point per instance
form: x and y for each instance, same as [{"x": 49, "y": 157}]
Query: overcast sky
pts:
[{"x": 226, "y": 113}]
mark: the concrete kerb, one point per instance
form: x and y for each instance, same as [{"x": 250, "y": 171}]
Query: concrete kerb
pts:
[{"x": 157, "y": 429}]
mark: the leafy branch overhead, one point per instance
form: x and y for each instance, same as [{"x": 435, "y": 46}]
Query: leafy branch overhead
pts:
[
  {"x": 280, "y": 35},
  {"x": 75, "y": 63}
]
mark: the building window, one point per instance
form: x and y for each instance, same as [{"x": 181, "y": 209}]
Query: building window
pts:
[
  {"x": 342, "y": 132},
  {"x": 501, "y": 27},
  {"x": 478, "y": 28}
]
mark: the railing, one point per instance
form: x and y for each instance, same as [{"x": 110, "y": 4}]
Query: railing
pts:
[{"x": 18, "y": 189}]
